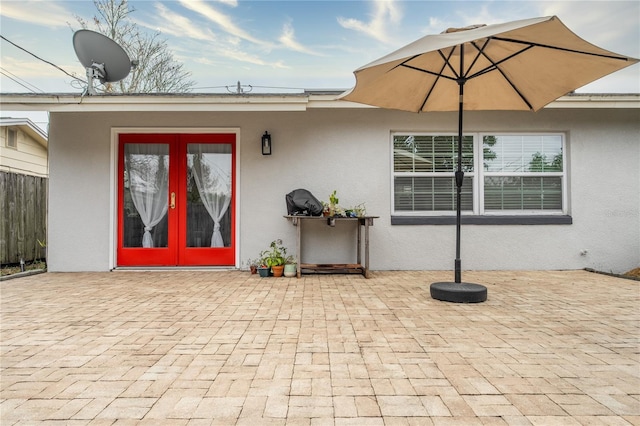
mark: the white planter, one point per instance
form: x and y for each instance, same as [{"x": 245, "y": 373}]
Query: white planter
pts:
[{"x": 290, "y": 270}]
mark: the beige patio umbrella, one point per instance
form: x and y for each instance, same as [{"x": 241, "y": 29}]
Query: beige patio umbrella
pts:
[{"x": 519, "y": 65}]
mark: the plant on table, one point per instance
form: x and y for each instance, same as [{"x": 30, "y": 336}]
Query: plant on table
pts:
[
  {"x": 333, "y": 209},
  {"x": 360, "y": 210},
  {"x": 333, "y": 203}
]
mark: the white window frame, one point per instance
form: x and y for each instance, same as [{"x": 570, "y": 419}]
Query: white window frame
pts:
[{"x": 478, "y": 176}]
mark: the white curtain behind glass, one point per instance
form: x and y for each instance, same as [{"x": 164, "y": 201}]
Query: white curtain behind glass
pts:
[
  {"x": 212, "y": 174},
  {"x": 147, "y": 167}
]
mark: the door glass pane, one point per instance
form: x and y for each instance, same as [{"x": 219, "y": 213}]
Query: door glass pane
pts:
[
  {"x": 209, "y": 195},
  {"x": 146, "y": 191}
]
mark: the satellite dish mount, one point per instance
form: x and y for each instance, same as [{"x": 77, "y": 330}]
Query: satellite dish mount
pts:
[
  {"x": 102, "y": 58},
  {"x": 94, "y": 72}
]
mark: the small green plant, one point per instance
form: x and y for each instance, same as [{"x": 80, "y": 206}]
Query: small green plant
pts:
[
  {"x": 333, "y": 199},
  {"x": 290, "y": 260},
  {"x": 334, "y": 209},
  {"x": 275, "y": 255}
]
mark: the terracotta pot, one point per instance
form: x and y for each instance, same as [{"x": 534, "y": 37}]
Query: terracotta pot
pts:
[{"x": 277, "y": 270}]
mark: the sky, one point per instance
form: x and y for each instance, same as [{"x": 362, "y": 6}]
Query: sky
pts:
[{"x": 282, "y": 46}]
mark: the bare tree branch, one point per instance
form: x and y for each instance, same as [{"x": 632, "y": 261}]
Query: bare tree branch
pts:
[{"x": 157, "y": 70}]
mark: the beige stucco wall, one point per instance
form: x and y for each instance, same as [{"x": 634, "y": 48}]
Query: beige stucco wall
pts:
[{"x": 349, "y": 150}]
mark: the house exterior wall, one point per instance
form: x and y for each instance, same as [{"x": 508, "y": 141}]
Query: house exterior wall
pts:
[
  {"x": 29, "y": 157},
  {"x": 349, "y": 150}
]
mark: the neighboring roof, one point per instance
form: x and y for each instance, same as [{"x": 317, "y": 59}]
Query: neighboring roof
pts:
[
  {"x": 27, "y": 126},
  {"x": 66, "y": 102}
]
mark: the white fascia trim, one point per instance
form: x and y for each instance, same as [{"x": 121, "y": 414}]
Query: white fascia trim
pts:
[
  {"x": 239, "y": 103},
  {"x": 607, "y": 101},
  {"x": 70, "y": 103}
]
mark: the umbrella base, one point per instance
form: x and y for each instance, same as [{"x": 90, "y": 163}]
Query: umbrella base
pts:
[{"x": 458, "y": 292}]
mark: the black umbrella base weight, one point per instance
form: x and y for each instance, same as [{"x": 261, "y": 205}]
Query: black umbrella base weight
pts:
[{"x": 458, "y": 292}]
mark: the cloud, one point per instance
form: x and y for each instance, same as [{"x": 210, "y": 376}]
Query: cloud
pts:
[
  {"x": 232, "y": 3},
  {"x": 489, "y": 14},
  {"x": 222, "y": 20},
  {"x": 288, "y": 40},
  {"x": 32, "y": 68},
  {"x": 220, "y": 47},
  {"x": 231, "y": 47},
  {"x": 44, "y": 13},
  {"x": 385, "y": 15},
  {"x": 220, "y": 53},
  {"x": 610, "y": 25},
  {"x": 242, "y": 56},
  {"x": 180, "y": 26}
]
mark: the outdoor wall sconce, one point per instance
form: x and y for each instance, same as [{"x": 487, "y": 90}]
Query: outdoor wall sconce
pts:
[{"x": 266, "y": 144}]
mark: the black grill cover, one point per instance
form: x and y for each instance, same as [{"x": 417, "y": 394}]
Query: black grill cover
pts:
[{"x": 301, "y": 202}]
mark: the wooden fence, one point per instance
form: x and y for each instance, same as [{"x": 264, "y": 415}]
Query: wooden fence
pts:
[{"x": 23, "y": 217}]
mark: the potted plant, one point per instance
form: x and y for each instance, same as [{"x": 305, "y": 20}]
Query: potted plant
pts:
[
  {"x": 290, "y": 269},
  {"x": 325, "y": 208},
  {"x": 275, "y": 257},
  {"x": 253, "y": 265},
  {"x": 263, "y": 270},
  {"x": 360, "y": 210},
  {"x": 333, "y": 203}
]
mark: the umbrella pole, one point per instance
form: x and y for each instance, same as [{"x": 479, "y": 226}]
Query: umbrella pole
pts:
[
  {"x": 458, "y": 291},
  {"x": 459, "y": 180}
]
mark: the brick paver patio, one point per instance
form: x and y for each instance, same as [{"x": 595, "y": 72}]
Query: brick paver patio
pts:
[{"x": 230, "y": 348}]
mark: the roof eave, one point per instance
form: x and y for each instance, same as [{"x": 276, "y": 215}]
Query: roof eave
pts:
[
  {"x": 245, "y": 102},
  {"x": 28, "y": 127}
]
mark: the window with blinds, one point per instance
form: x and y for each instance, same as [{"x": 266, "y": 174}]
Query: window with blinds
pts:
[
  {"x": 424, "y": 167},
  {"x": 509, "y": 174},
  {"x": 522, "y": 172}
]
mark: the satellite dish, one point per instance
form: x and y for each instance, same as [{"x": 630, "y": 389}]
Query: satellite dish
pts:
[{"x": 102, "y": 57}]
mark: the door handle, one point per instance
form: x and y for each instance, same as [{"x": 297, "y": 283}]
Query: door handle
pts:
[{"x": 173, "y": 200}]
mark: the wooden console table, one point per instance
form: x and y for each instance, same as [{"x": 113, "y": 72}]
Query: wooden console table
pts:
[{"x": 335, "y": 268}]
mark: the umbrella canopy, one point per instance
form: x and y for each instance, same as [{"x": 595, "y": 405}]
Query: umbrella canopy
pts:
[{"x": 520, "y": 65}]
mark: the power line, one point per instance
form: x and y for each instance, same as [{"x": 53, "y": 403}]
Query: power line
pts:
[
  {"x": 22, "y": 82},
  {"x": 16, "y": 81},
  {"x": 39, "y": 58}
]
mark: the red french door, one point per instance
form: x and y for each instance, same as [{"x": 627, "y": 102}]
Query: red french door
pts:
[{"x": 176, "y": 199}]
